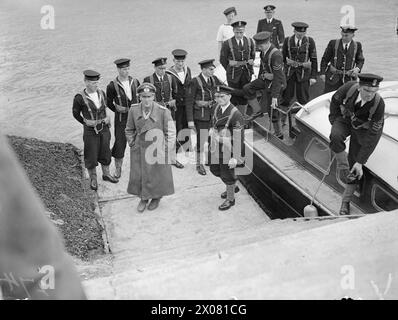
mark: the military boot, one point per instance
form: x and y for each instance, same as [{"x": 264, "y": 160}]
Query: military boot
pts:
[
  {"x": 343, "y": 168},
  {"x": 256, "y": 110},
  {"x": 277, "y": 129},
  {"x": 93, "y": 178},
  {"x": 118, "y": 167},
  {"x": 344, "y": 209},
  {"x": 106, "y": 175}
]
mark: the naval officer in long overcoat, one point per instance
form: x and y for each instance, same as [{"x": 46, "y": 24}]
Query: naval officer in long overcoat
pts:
[{"x": 151, "y": 135}]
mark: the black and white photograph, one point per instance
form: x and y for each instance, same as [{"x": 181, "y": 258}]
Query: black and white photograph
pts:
[{"x": 212, "y": 152}]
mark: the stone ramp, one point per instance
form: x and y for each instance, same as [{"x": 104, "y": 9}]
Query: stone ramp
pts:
[{"x": 355, "y": 258}]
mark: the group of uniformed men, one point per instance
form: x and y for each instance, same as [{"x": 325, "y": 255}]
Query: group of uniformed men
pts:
[{"x": 288, "y": 66}]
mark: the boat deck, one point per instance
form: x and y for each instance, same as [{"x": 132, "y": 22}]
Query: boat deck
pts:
[{"x": 327, "y": 198}]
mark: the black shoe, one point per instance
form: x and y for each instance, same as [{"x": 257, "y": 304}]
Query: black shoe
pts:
[
  {"x": 344, "y": 209},
  {"x": 201, "y": 169},
  {"x": 93, "y": 184},
  {"x": 110, "y": 178},
  {"x": 224, "y": 194},
  {"x": 153, "y": 204},
  {"x": 178, "y": 165},
  {"x": 226, "y": 205},
  {"x": 254, "y": 116}
]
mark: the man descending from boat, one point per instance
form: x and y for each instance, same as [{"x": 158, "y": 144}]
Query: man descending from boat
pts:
[
  {"x": 342, "y": 61},
  {"x": 272, "y": 25},
  {"x": 89, "y": 108},
  {"x": 356, "y": 111},
  {"x": 166, "y": 89},
  {"x": 200, "y": 105},
  {"x": 226, "y": 148},
  {"x": 237, "y": 57},
  {"x": 121, "y": 94},
  {"x": 271, "y": 78},
  {"x": 182, "y": 77},
  {"x": 151, "y": 134},
  {"x": 301, "y": 66},
  {"x": 225, "y": 31}
]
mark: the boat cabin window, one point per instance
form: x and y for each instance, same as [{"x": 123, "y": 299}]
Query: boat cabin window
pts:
[
  {"x": 382, "y": 200},
  {"x": 318, "y": 155}
]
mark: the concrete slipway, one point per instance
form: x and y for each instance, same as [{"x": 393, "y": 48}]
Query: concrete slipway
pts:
[{"x": 188, "y": 249}]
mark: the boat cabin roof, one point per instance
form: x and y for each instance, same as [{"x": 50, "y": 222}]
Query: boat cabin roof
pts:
[{"x": 383, "y": 161}]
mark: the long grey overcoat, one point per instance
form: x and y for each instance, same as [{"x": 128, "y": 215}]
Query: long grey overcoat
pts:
[{"x": 152, "y": 151}]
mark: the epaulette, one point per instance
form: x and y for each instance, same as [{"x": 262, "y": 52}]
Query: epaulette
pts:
[
  {"x": 134, "y": 105},
  {"x": 161, "y": 107}
]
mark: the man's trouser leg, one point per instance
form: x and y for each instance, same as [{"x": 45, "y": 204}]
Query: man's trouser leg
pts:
[
  {"x": 93, "y": 178},
  {"x": 287, "y": 95},
  {"x": 104, "y": 155},
  {"x": 303, "y": 91},
  {"x": 341, "y": 129},
  {"x": 202, "y": 135},
  {"x": 250, "y": 92},
  {"x": 119, "y": 145},
  {"x": 237, "y": 100},
  {"x": 330, "y": 86}
]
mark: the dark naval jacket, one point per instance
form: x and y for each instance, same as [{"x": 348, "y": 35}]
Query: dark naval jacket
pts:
[
  {"x": 367, "y": 137},
  {"x": 276, "y": 28},
  {"x": 199, "y": 91},
  {"x": 81, "y": 110},
  {"x": 230, "y": 51},
  {"x": 341, "y": 61},
  {"x": 165, "y": 90},
  {"x": 235, "y": 130},
  {"x": 306, "y": 52},
  {"x": 180, "y": 88},
  {"x": 273, "y": 64},
  {"x": 121, "y": 99}
]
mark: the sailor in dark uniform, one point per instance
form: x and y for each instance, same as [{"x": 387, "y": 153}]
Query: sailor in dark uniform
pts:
[
  {"x": 356, "y": 110},
  {"x": 342, "y": 61},
  {"x": 166, "y": 88},
  {"x": 182, "y": 77},
  {"x": 226, "y": 148},
  {"x": 200, "y": 107},
  {"x": 301, "y": 65},
  {"x": 272, "y": 25},
  {"x": 89, "y": 108},
  {"x": 271, "y": 78},
  {"x": 121, "y": 94},
  {"x": 237, "y": 57}
]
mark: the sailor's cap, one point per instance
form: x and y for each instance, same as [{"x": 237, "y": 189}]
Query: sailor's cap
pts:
[
  {"x": 369, "y": 79},
  {"x": 159, "y": 61},
  {"x": 207, "y": 63},
  {"x": 179, "y": 54},
  {"x": 348, "y": 28},
  {"x": 269, "y": 8},
  {"x": 224, "y": 89},
  {"x": 122, "y": 63},
  {"x": 262, "y": 36},
  {"x": 229, "y": 10},
  {"x": 300, "y": 26},
  {"x": 238, "y": 24},
  {"x": 91, "y": 75}
]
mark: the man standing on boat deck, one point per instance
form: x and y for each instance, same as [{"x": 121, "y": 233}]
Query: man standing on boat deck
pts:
[
  {"x": 342, "y": 61},
  {"x": 272, "y": 25},
  {"x": 237, "y": 57},
  {"x": 200, "y": 107},
  {"x": 166, "y": 89},
  {"x": 271, "y": 78},
  {"x": 226, "y": 149},
  {"x": 301, "y": 65},
  {"x": 225, "y": 31},
  {"x": 356, "y": 110},
  {"x": 151, "y": 134},
  {"x": 121, "y": 94},
  {"x": 182, "y": 77},
  {"x": 89, "y": 108}
]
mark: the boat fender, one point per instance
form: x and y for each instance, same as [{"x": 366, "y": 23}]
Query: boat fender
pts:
[{"x": 310, "y": 211}]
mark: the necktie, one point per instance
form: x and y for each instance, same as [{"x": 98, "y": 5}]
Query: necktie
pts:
[
  {"x": 240, "y": 45},
  {"x": 298, "y": 43},
  {"x": 346, "y": 48},
  {"x": 208, "y": 82},
  {"x": 161, "y": 79}
]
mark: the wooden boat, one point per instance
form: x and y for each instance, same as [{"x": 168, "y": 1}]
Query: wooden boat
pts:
[{"x": 288, "y": 175}]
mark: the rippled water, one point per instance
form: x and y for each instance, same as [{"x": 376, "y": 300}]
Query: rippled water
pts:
[{"x": 41, "y": 69}]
